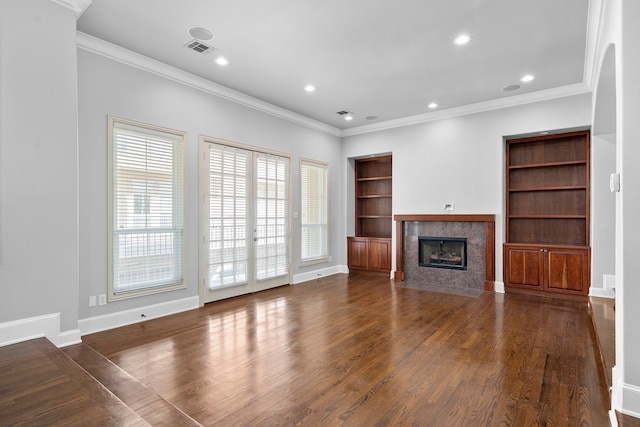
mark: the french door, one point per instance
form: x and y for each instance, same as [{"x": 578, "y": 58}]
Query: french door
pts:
[{"x": 244, "y": 220}]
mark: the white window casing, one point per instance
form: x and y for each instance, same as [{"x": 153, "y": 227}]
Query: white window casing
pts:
[
  {"x": 146, "y": 209},
  {"x": 314, "y": 212}
]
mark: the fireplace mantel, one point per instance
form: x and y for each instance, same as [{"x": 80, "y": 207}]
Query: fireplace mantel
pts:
[{"x": 490, "y": 235}]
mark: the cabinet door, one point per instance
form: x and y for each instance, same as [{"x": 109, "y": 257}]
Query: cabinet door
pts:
[
  {"x": 358, "y": 253},
  {"x": 380, "y": 255},
  {"x": 567, "y": 270},
  {"x": 524, "y": 267}
]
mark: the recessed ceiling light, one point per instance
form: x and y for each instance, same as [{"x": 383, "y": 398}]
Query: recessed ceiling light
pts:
[
  {"x": 200, "y": 33},
  {"x": 371, "y": 117},
  {"x": 527, "y": 78},
  {"x": 510, "y": 88},
  {"x": 432, "y": 105},
  {"x": 348, "y": 117},
  {"x": 462, "y": 39},
  {"x": 222, "y": 61},
  {"x": 310, "y": 88}
]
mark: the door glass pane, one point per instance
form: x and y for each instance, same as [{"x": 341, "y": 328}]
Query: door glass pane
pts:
[
  {"x": 228, "y": 260},
  {"x": 271, "y": 216}
]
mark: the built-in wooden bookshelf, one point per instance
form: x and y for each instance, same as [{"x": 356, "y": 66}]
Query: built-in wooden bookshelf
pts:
[
  {"x": 547, "y": 213},
  {"x": 370, "y": 249},
  {"x": 373, "y": 197}
]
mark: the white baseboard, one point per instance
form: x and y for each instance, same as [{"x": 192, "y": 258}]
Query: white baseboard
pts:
[
  {"x": 616, "y": 389},
  {"x": 612, "y": 418},
  {"x": 69, "y": 338},
  {"x": 47, "y": 326},
  {"x": 630, "y": 400},
  {"x": 608, "y": 288},
  {"x": 625, "y": 398},
  {"x": 136, "y": 315},
  {"x": 601, "y": 293},
  {"x": 315, "y": 274}
]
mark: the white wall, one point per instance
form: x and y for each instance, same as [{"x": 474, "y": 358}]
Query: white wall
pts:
[
  {"x": 616, "y": 58},
  {"x": 461, "y": 160},
  {"x": 603, "y": 213},
  {"x": 110, "y": 87},
  {"x": 38, "y": 162},
  {"x": 628, "y": 155}
]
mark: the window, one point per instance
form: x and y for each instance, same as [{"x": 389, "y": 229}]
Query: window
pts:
[
  {"x": 146, "y": 209},
  {"x": 313, "y": 212}
]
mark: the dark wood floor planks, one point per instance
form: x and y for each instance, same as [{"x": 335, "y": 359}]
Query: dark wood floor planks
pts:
[
  {"x": 603, "y": 318},
  {"x": 145, "y": 402},
  {"x": 40, "y": 386},
  {"x": 357, "y": 350}
]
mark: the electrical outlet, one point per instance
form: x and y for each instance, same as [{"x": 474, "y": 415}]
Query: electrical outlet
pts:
[
  {"x": 102, "y": 299},
  {"x": 92, "y": 301},
  {"x": 449, "y": 206}
]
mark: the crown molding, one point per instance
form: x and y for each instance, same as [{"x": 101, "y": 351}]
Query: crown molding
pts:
[
  {"x": 595, "y": 17},
  {"x": 479, "y": 107},
  {"x": 125, "y": 56},
  {"x": 78, "y": 6}
]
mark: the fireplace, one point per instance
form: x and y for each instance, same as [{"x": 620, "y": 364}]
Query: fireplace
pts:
[
  {"x": 442, "y": 252},
  {"x": 479, "y": 230}
]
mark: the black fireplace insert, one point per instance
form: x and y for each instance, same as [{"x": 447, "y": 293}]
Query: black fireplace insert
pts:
[{"x": 442, "y": 252}]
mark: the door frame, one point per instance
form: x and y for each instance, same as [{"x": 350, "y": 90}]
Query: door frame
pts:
[{"x": 203, "y": 226}]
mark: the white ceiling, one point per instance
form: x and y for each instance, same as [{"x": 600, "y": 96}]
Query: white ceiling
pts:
[{"x": 381, "y": 58}]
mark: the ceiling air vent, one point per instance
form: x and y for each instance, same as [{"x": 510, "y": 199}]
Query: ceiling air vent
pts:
[
  {"x": 199, "y": 47},
  {"x": 342, "y": 113}
]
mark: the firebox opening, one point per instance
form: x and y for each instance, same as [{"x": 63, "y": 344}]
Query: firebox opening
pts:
[{"x": 442, "y": 252}]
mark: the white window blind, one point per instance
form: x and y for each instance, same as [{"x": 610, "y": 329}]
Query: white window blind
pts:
[
  {"x": 228, "y": 196},
  {"x": 146, "y": 207},
  {"x": 272, "y": 206},
  {"x": 313, "y": 211}
]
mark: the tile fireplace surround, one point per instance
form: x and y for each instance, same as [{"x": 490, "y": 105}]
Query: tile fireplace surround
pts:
[{"x": 410, "y": 226}]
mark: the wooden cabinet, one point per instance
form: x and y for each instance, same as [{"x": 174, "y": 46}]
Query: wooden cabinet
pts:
[
  {"x": 370, "y": 249},
  {"x": 369, "y": 254},
  {"x": 547, "y": 208},
  {"x": 559, "y": 269}
]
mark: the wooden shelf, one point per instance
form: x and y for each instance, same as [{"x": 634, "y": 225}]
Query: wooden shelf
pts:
[
  {"x": 375, "y": 178},
  {"x": 550, "y": 164},
  {"x": 547, "y": 214},
  {"x": 370, "y": 249},
  {"x": 373, "y": 196},
  {"x": 566, "y": 187}
]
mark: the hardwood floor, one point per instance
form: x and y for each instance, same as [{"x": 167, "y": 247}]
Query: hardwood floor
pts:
[
  {"x": 359, "y": 351},
  {"x": 604, "y": 325},
  {"x": 40, "y": 386},
  {"x": 145, "y": 402}
]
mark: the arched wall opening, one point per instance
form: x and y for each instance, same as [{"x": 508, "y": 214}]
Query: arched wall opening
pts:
[
  {"x": 604, "y": 211},
  {"x": 603, "y": 201}
]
